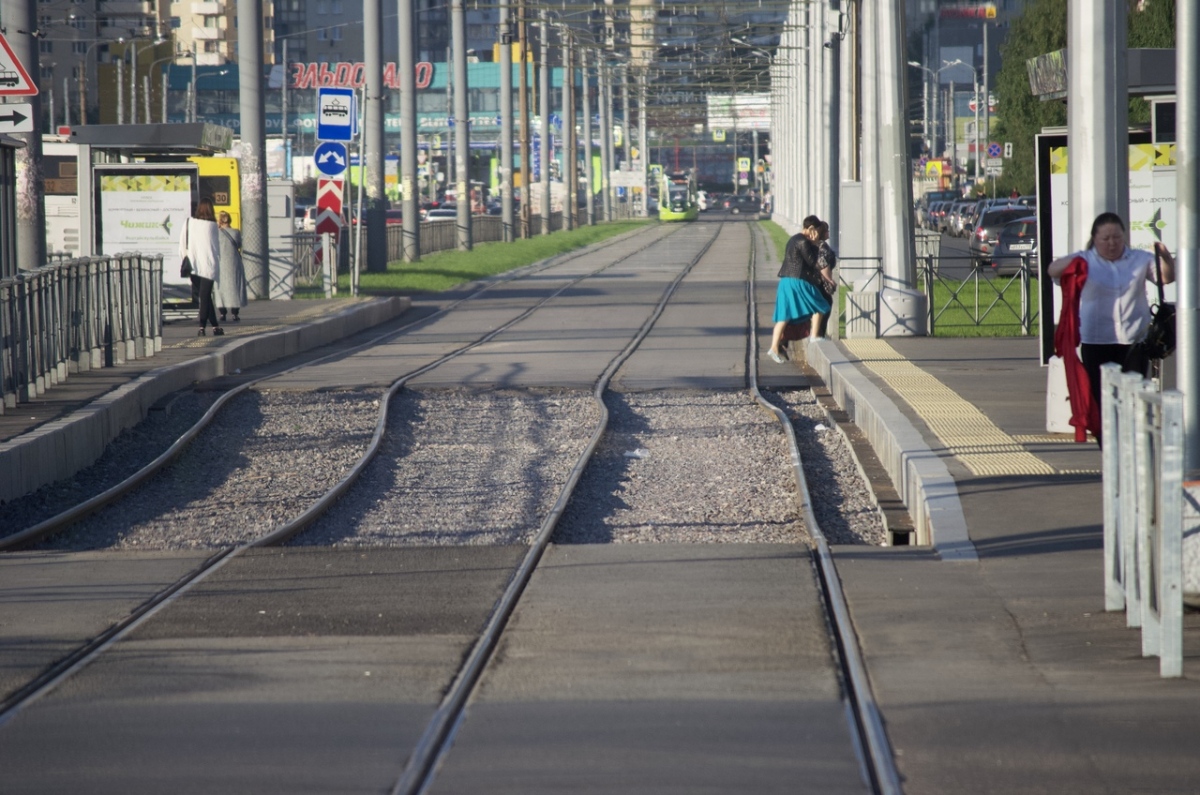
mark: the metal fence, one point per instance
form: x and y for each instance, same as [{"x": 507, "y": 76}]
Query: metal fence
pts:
[
  {"x": 1142, "y": 431},
  {"x": 76, "y": 315},
  {"x": 959, "y": 293}
]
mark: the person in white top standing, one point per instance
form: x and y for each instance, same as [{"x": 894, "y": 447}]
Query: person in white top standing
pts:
[
  {"x": 1113, "y": 309},
  {"x": 201, "y": 243}
]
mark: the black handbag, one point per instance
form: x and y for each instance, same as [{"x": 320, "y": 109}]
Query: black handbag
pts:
[
  {"x": 185, "y": 267},
  {"x": 1159, "y": 340}
]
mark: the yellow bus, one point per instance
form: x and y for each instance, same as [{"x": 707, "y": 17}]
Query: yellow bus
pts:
[{"x": 219, "y": 180}]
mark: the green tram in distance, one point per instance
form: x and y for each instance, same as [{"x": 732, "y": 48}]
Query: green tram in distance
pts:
[{"x": 677, "y": 200}]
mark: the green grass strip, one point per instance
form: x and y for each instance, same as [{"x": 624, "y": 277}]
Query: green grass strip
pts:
[
  {"x": 778, "y": 235},
  {"x": 443, "y": 270}
]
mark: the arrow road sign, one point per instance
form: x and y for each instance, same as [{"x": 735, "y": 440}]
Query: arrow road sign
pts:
[
  {"x": 16, "y": 118},
  {"x": 330, "y": 158},
  {"x": 14, "y": 80}
]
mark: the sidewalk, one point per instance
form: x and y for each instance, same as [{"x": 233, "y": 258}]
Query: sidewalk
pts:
[
  {"x": 995, "y": 665},
  {"x": 66, "y": 428}
]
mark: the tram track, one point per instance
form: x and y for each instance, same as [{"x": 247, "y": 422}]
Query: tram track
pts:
[
  {"x": 437, "y": 739},
  {"x": 878, "y": 767},
  {"x": 78, "y": 658}
]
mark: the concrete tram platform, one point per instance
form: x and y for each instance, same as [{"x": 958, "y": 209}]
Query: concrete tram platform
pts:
[
  {"x": 996, "y": 667},
  {"x": 67, "y": 427}
]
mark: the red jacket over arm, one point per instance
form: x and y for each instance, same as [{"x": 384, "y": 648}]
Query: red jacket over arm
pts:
[{"x": 1085, "y": 412}]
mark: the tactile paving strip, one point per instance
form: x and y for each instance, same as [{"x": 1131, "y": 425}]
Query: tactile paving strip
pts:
[{"x": 965, "y": 431}]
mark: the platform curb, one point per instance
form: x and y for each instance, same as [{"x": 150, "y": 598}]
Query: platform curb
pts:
[
  {"x": 922, "y": 480},
  {"x": 59, "y": 449}
]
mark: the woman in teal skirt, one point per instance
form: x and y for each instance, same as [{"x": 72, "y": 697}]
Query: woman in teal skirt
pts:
[{"x": 797, "y": 297}]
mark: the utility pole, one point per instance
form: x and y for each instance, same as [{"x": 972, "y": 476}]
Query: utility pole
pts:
[
  {"x": 626, "y": 141},
  {"x": 373, "y": 158},
  {"x": 409, "y": 193},
  {"x": 523, "y": 99},
  {"x": 643, "y": 142},
  {"x": 253, "y": 164},
  {"x": 570, "y": 171},
  {"x": 544, "y": 112},
  {"x": 283, "y": 114},
  {"x": 20, "y": 17},
  {"x": 606, "y": 125},
  {"x": 1187, "y": 133},
  {"x": 506, "y": 122},
  {"x": 462, "y": 124},
  {"x": 588, "y": 172}
]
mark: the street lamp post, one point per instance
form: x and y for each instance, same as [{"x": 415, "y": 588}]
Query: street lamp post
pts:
[
  {"x": 931, "y": 103},
  {"x": 83, "y": 79},
  {"x": 975, "y": 87}
]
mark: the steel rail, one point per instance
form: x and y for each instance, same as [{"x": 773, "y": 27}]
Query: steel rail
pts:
[
  {"x": 439, "y": 734},
  {"x": 875, "y": 750}
]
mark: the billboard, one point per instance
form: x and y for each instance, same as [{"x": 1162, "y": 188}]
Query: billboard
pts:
[
  {"x": 739, "y": 111},
  {"x": 142, "y": 208}
]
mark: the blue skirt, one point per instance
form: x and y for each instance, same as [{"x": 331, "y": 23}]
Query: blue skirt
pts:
[{"x": 796, "y": 299}]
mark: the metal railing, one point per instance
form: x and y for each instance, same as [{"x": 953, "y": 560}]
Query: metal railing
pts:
[
  {"x": 981, "y": 291},
  {"x": 1142, "y": 431},
  {"x": 958, "y": 292},
  {"x": 75, "y": 315}
]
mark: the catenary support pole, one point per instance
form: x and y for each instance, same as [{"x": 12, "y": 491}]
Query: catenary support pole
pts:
[
  {"x": 376, "y": 199},
  {"x": 895, "y": 167},
  {"x": 832, "y": 53},
  {"x": 570, "y": 170},
  {"x": 643, "y": 142},
  {"x": 1187, "y": 174},
  {"x": 506, "y": 122},
  {"x": 606, "y": 125},
  {"x": 544, "y": 133},
  {"x": 20, "y": 17},
  {"x": 409, "y": 189},
  {"x": 253, "y": 164},
  {"x": 523, "y": 95},
  {"x": 588, "y": 171},
  {"x": 462, "y": 124},
  {"x": 1097, "y": 115}
]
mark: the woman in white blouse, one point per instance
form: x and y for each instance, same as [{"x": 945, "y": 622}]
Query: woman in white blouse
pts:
[
  {"x": 201, "y": 243},
  {"x": 1113, "y": 309}
]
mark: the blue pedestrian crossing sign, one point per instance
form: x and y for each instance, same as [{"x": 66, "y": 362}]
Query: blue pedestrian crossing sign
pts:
[
  {"x": 337, "y": 114},
  {"x": 330, "y": 158}
]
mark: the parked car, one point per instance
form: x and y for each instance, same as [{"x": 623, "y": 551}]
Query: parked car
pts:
[
  {"x": 741, "y": 203},
  {"x": 937, "y": 210},
  {"x": 972, "y": 219},
  {"x": 957, "y": 216},
  {"x": 987, "y": 232},
  {"x": 1016, "y": 244},
  {"x": 307, "y": 221},
  {"x": 441, "y": 213}
]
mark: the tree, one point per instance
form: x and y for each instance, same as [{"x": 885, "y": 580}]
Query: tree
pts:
[{"x": 1043, "y": 29}]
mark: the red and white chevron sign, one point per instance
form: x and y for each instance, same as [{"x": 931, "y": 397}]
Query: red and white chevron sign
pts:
[{"x": 329, "y": 206}]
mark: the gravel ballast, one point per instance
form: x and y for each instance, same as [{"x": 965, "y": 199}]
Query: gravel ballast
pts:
[{"x": 474, "y": 467}]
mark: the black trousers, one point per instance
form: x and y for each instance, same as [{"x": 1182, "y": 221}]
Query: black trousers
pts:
[
  {"x": 1092, "y": 356},
  {"x": 204, "y": 289}
]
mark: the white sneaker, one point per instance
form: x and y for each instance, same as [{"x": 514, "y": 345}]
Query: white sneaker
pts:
[{"x": 776, "y": 357}]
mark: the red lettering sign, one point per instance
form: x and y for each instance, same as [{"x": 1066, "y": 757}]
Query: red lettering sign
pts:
[
  {"x": 351, "y": 75},
  {"x": 424, "y": 75}
]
